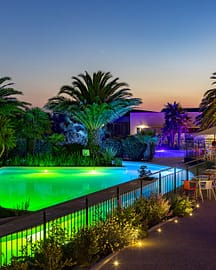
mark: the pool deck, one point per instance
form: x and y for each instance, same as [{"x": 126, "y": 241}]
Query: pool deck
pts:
[{"x": 188, "y": 244}]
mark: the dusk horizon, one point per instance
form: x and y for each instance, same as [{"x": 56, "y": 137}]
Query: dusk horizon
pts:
[{"x": 163, "y": 50}]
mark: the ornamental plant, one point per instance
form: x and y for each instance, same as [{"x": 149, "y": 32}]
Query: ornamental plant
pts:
[
  {"x": 152, "y": 210},
  {"x": 181, "y": 205},
  {"x": 83, "y": 247},
  {"x": 114, "y": 234}
]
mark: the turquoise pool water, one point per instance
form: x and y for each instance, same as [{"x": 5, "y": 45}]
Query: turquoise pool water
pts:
[{"x": 43, "y": 187}]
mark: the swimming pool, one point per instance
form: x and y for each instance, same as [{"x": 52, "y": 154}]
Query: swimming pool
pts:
[{"x": 41, "y": 187}]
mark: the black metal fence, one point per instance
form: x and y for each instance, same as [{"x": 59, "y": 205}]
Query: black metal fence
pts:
[{"x": 85, "y": 211}]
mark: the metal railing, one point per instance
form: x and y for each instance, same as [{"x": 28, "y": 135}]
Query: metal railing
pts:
[{"x": 84, "y": 211}]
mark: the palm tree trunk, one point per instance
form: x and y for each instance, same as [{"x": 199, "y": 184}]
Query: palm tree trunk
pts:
[
  {"x": 94, "y": 141},
  {"x": 179, "y": 139},
  {"x": 2, "y": 151}
]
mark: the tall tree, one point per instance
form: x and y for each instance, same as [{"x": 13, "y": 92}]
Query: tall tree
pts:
[
  {"x": 33, "y": 125},
  {"x": 87, "y": 90},
  {"x": 207, "y": 116},
  {"x": 176, "y": 121},
  {"x": 94, "y": 117},
  {"x": 9, "y": 104},
  {"x": 7, "y": 135},
  {"x": 91, "y": 101}
]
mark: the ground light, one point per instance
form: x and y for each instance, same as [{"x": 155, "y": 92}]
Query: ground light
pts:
[
  {"x": 139, "y": 244},
  {"x": 116, "y": 263},
  {"x": 159, "y": 230}
]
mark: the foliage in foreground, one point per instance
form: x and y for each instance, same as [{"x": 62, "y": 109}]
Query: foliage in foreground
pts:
[
  {"x": 41, "y": 160},
  {"x": 88, "y": 245}
]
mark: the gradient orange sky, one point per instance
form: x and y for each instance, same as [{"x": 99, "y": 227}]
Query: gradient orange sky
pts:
[{"x": 164, "y": 49}]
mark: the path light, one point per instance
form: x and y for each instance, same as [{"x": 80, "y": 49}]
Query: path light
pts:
[
  {"x": 139, "y": 244},
  {"x": 197, "y": 205},
  {"x": 175, "y": 220},
  {"x": 191, "y": 214},
  {"x": 45, "y": 171},
  {"x": 116, "y": 263},
  {"x": 159, "y": 230}
]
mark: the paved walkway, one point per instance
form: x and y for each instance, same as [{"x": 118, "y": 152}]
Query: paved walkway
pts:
[{"x": 189, "y": 244}]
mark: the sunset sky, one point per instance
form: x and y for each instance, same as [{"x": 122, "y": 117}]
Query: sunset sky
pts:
[{"x": 164, "y": 49}]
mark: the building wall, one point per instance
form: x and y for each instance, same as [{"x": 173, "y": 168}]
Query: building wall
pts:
[{"x": 153, "y": 120}]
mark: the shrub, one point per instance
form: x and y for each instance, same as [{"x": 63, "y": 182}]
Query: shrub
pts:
[
  {"x": 109, "y": 154},
  {"x": 143, "y": 171},
  {"x": 83, "y": 247},
  {"x": 117, "y": 162},
  {"x": 152, "y": 210},
  {"x": 129, "y": 215},
  {"x": 133, "y": 148},
  {"x": 48, "y": 253},
  {"x": 115, "y": 143},
  {"x": 181, "y": 205},
  {"x": 114, "y": 234},
  {"x": 159, "y": 209}
]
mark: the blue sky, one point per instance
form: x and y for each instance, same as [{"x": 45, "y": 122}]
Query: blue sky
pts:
[{"x": 164, "y": 50}]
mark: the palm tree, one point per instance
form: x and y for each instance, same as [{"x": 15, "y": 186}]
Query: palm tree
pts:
[
  {"x": 7, "y": 135},
  {"x": 91, "y": 101},
  {"x": 176, "y": 121},
  {"x": 94, "y": 117},
  {"x": 9, "y": 104},
  {"x": 207, "y": 117},
  {"x": 87, "y": 90}
]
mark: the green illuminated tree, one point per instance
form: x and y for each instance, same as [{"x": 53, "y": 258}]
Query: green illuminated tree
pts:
[
  {"x": 33, "y": 125},
  {"x": 7, "y": 135},
  {"x": 94, "y": 117},
  {"x": 207, "y": 117},
  {"x": 91, "y": 100}
]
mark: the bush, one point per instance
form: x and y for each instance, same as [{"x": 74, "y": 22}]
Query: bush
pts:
[
  {"x": 143, "y": 171},
  {"x": 152, "y": 210},
  {"x": 133, "y": 148},
  {"x": 114, "y": 143},
  {"x": 130, "y": 215},
  {"x": 108, "y": 155},
  {"x": 48, "y": 254},
  {"x": 89, "y": 245},
  {"x": 114, "y": 234},
  {"x": 181, "y": 205},
  {"x": 83, "y": 247}
]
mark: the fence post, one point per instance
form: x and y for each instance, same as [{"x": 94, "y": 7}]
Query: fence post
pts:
[
  {"x": 187, "y": 172},
  {"x": 86, "y": 207},
  {"x": 44, "y": 226},
  {"x": 159, "y": 181},
  {"x": 118, "y": 198},
  {"x": 1, "y": 259},
  {"x": 141, "y": 188},
  {"x": 175, "y": 180},
  {"x": 197, "y": 170}
]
